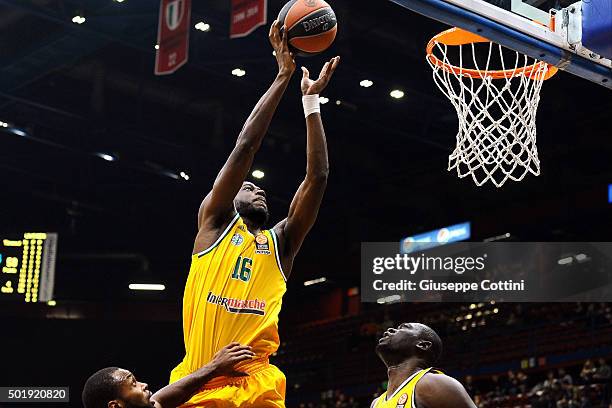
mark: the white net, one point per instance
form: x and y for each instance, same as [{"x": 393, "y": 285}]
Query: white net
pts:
[{"x": 496, "y": 140}]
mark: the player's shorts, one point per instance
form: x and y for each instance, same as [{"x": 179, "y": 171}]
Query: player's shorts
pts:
[{"x": 263, "y": 388}]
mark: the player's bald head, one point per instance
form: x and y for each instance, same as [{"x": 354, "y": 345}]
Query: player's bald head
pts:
[
  {"x": 432, "y": 354},
  {"x": 407, "y": 341}
]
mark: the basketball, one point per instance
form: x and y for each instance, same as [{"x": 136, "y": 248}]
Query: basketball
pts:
[{"x": 311, "y": 26}]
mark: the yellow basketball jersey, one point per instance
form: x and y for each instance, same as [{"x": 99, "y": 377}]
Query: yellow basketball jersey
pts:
[
  {"x": 405, "y": 395},
  {"x": 233, "y": 293}
]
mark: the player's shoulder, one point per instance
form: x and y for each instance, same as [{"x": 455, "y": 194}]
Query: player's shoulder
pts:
[
  {"x": 156, "y": 404},
  {"x": 438, "y": 389},
  {"x": 210, "y": 234},
  {"x": 373, "y": 404},
  {"x": 438, "y": 381}
]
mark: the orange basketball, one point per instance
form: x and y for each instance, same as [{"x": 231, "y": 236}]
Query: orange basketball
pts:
[{"x": 311, "y": 26}]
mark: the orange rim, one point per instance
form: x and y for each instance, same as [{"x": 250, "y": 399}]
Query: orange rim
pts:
[{"x": 458, "y": 36}]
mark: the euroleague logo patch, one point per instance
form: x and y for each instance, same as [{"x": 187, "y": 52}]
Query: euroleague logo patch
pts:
[
  {"x": 237, "y": 239},
  {"x": 262, "y": 246},
  {"x": 401, "y": 402}
]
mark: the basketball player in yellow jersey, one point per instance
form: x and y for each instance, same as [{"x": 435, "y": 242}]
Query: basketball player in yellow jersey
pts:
[
  {"x": 409, "y": 353},
  {"x": 238, "y": 270}
]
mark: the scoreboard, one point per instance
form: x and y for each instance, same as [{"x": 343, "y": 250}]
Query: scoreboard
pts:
[{"x": 27, "y": 266}]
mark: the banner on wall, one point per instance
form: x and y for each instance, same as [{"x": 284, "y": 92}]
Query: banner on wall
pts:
[
  {"x": 172, "y": 36},
  {"x": 246, "y": 16}
]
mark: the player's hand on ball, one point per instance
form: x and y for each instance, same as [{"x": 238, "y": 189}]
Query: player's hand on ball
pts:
[
  {"x": 230, "y": 355},
  {"x": 310, "y": 87},
  {"x": 284, "y": 58}
]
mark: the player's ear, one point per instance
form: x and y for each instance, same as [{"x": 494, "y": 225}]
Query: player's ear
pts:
[
  {"x": 114, "y": 404},
  {"x": 424, "y": 345}
]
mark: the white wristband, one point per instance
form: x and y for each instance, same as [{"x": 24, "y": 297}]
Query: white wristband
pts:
[{"x": 311, "y": 104}]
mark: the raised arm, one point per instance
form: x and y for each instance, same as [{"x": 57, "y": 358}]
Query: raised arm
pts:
[
  {"x": 307, "y": 200},
  {"x": 441, "y": 391},
  {"x": 223, "y": 363},
  {"x": 218, "y": 204}
]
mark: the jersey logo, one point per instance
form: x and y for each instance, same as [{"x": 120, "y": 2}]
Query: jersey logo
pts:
[
  {"x": 401, "y": 402},
  {"x": 237, "y": 239},
  {"x": 261, "y": 245},
  {"x": 242, "y": 269},
  {"x": 234, "y": 305}
]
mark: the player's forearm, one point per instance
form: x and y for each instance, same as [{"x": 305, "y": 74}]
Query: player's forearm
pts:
[
  {"x": 256, "y": 125},
  {"x": 175, "y": 394},
  {"x": 317, "y": 164}
]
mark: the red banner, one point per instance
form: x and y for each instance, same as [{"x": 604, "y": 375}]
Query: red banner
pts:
[
  {"x": 247, "y": 15},
  {"x": 172, "y": 36}
]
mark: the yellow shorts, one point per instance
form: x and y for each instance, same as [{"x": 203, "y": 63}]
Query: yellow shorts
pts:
[{"x": 263, "y": 388}]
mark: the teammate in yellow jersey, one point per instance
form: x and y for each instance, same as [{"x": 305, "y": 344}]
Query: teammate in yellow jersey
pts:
[
  {"x": 409, "y": 352},
  {"x": 238, "y": 270}
]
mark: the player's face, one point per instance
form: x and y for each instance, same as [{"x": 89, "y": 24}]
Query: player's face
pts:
[
  {"x": 251, "y": 203},
  {"x": 399, "y": 341},
  {"x": 132, "y": 392}
]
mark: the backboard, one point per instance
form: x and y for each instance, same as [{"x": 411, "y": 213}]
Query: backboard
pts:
[{"x": 576, "y": 38}]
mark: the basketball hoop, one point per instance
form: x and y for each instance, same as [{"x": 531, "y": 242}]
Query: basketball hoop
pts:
[{"x": 496, "y": 105}]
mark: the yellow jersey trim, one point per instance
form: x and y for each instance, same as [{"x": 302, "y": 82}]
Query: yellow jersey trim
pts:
[
  {"x": 402, "y": 385},
  {"x": 408, "y": 386},
  {"x": 277, "y": 253}
]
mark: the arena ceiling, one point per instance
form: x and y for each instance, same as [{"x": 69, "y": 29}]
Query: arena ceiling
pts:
[{"x": 83, "y": 90}]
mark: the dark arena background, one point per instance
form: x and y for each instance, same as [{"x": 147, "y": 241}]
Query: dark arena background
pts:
[{"x": 116, "y": 161}]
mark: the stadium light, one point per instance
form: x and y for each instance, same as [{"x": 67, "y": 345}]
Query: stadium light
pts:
[
  {"x": 258, "y": 174},
  {"x": 323, "y": 100},
  {"x": 12, "y": 129},
  {"x": 52, "y": 302},
  {"x": 238, "y": 72},
  {"x": 202, "y": 26},
  {"x": 582, "y": 258},
  {"x": 184, "y": 175},
  {"x": 157, "y": 46},
  {"x": 314, "y": 281},
  {"x": 106, "y": 156},
  {"x": 18, "y": 132},
  {"x": 146, "y": 286},
  {"x": 338, "y": 102},
  {"x": 118, "y": 1},
  {"x": 388, "y": 299},
  {"x": 397, "y": 94},
  {"x": 497, "y": 237},
  {"x": 366, "y": 83},
  {"x": 565, "y": 261},
  {"x": 78, "y": 19}
]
